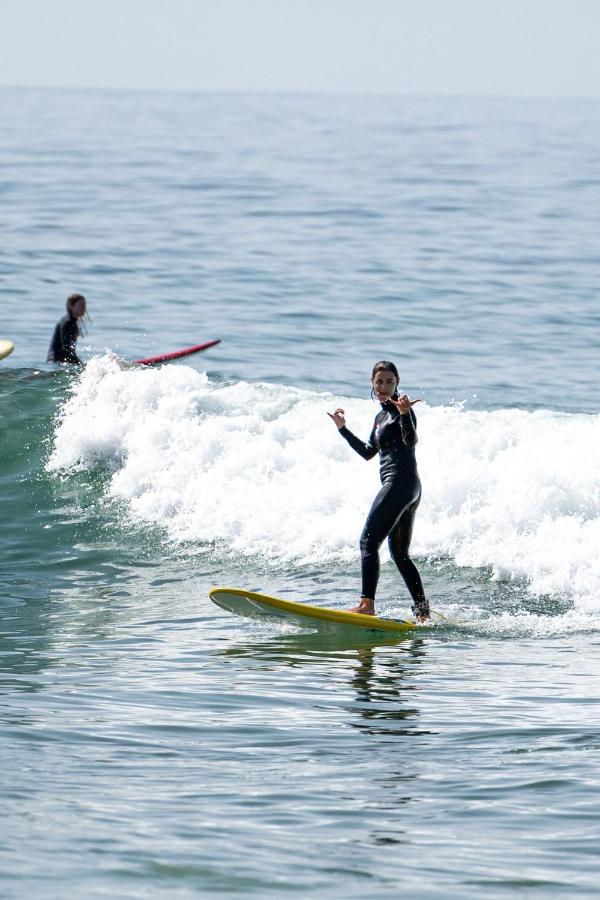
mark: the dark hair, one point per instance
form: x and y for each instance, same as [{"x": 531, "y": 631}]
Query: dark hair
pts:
[
  {"x": 384, "y": 365},
  {"x": 71, "y": 301}
]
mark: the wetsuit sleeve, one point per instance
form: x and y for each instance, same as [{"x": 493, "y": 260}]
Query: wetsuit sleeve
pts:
[
  {"x": 408, "y": 427},
  {"x": 367, "y": 451},
  {"x": 53, "y": 350}
]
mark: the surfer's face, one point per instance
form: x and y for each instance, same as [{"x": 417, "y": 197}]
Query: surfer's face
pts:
[
  {"x": 384, "y": 384},
  {"x": 78, "y": 308}
]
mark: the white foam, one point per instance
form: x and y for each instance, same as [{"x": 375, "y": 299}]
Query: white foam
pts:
[{"x": 260, "y": 470}]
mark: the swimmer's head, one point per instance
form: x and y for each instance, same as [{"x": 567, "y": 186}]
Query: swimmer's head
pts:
[
  {"x": 384, "y": 380},
  {"x": 76, "y": 305}
]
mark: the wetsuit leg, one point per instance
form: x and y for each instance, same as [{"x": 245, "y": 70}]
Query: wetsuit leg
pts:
[
  {"x": 387, "y": 508},
  {"x": 399, "y": 543}
]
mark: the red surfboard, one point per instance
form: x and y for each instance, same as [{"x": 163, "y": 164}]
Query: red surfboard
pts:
[{"x": 176, "y": 354}]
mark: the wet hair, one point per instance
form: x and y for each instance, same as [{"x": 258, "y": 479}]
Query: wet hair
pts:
[
  {"x": 384, "y": 365},
  {"x": 72, "y": 299}
]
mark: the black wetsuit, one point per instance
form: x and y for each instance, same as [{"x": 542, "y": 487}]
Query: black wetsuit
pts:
[
  {"x": 392, "y": 515},
  {"x": 62, "y": 345}
]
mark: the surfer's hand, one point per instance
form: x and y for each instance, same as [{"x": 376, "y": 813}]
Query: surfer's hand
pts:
[
  {"x": 403, "y": 404},
  {"x": 338, "y": 417}
]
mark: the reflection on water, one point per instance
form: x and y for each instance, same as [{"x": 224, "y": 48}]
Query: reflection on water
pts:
[
  {"x": 381, "y": 671},
  {"x": 384, "y": 685},
  {"x": 383, "y": 770}
]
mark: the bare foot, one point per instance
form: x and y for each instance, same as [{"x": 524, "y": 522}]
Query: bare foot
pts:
[{"x": 365, "y": 606}]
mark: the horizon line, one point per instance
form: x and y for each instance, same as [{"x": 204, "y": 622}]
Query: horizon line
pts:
[{"x": 345, "y": 92}]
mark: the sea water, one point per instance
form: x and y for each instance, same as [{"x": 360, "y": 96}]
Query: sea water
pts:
[{"x": 154, "y": 745}]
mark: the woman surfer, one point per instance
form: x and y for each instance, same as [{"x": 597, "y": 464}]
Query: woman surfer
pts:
[
  {"x": 62, "y": 345},
  {"x": 393, "y": 511}
]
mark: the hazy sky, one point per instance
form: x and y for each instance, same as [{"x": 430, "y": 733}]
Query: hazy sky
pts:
[{"x": 530, "y": 47}]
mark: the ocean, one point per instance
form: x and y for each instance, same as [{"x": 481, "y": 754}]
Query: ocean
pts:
[{"x": 152, "y": 744}]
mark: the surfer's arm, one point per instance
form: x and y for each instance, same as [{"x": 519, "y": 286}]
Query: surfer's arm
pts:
[
  {"x": 54, "y": 345},
  {"x": 367, "y": 451},
  {"x": 408, "y": 427}
]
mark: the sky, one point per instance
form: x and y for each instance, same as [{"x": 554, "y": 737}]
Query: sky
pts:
[{"x": 498, "y": 47}]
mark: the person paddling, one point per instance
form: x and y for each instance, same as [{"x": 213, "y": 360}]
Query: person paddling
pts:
[
  {"x": 66, "y": 332},
  {"x": 392, "y": 514}
]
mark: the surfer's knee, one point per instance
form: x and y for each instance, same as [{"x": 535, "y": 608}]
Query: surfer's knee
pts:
[{"x": 369, "y": 543}]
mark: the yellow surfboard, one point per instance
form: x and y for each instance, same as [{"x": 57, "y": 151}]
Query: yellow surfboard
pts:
[
  {"x": 259, "y": 606},
  {"x": 6, "y": 348}
]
